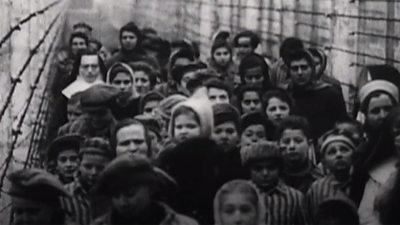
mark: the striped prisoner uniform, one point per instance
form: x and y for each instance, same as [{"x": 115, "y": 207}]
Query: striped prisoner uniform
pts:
[
  {"x": 77, "y": 208},
  {"x": 284, "y": 205},
  {"x": 324, "y": 188}
]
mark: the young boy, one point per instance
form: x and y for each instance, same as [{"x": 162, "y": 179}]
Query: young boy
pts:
[
  {"x": 132, "y": 183},
  {"x": 337, "y": 156},
  {"x": 284, "y": 204},
  {"x": 95, "y": 153},
  {"x": 254, "y": 129},
  {"x": 226, "y": 134},
  {"x": 293, "y": 135},
  {"x": 63, "y": 154}
]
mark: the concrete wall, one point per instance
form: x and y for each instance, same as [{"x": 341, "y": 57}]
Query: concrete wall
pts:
[
  {"x": 14, "y": 53},
  {"x": 352, "y": 32}
]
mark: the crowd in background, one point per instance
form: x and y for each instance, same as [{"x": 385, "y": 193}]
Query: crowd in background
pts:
[{"x": 150, "y": 133}]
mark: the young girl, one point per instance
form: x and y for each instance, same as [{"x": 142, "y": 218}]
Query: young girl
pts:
[
  {"x": 192, "y": 118},
  {"x": 238, "y": 197},
  {"x": 277, "y": 105},
  {"x": 221, "y": 61}
]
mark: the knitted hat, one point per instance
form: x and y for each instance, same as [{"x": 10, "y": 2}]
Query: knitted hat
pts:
[
  {"x": 98, "y": 97},
  {"x": 253, "y": 119},
  {"x": 337, "y": 138},
  {"x": 225, "y": 112},
  {"x": 264, "y": 150},
  {"x": 202, "y": 107},
  {"x": 36, "y": 184},
  {"x": 96, "y": 145},
  {"x": 68, "y": 141},
  {"x": 165, "y": 107},
  {"x": 378, "y": 85},
  {"x": 125, "y": 171}
]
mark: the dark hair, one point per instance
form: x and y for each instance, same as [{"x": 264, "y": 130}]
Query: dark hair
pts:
[
  {"x": 218, "y": 84},
  {"x": 132, "y": 27},
  {"x": 254, "y": 39},
  {"x": 125, "y": 123},
  {"x": 254, "y": 60},
  {"x": 244, "y": 89},
  {"x": 150, "y": 96},
  {"x": 147, "y": 69},
  {"x": 182, "y": 53},
  {"x": 279, "y": 94},
  {"x": 179, "y": 71},
  {"x": 77, "y": 64},
  {"x": 97, "y": 43},
  {"x": 295, "y": 123},
  {"x": 289, "y": 45},
  {"x": 218, "y": 43},
  {"x": 78, "y": 35}
]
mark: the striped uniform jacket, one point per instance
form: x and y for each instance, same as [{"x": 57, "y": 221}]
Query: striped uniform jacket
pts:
[
  {"x": 284, "y": 205},
  {"x": 324, "y": 188},
  {"x": 77, "y": 208}
]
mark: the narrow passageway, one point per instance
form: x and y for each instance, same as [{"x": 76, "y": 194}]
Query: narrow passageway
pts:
[{"x": 269, "y": 59}]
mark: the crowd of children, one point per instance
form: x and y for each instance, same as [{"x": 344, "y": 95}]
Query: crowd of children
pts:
[{"x": 151, "y": 134}]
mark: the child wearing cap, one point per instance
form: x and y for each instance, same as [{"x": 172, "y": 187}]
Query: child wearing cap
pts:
[
  {"x": 294, "y": 138},
  {"x": 284, "y": 205},
  {"x": 35, "y": 197},
  {"x": 132, "y": 183},
  {"x": 95, "y": 153},
  {"x": 63, "y": 155},
  {"x": 337, "y": 151}
]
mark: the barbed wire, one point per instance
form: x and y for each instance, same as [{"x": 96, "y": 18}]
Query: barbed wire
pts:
[
  {"x": 25, "y": 20},
  {"x": 17, "y": 79},
  {"x": 17, "y": 132}
]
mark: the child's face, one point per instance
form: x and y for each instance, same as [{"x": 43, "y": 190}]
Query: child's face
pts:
[
  {"x": 238, "y": 209},
  {"x": 253, "y": 134},
  {"x": 265, "y": 174},
  {"x": 294, "y": 145},
  {"x": 277, "y": 110},
  {"x": 67, "y": 163},
  {"x": 338, "y": 157},
  {"x": 226, "y": 135},
  {"x": 186, "y": 127},
  {"x": 217, "y": 96},
  {"x": 73, "y": 112},
  {"x": 132, "y": 201},
  {"x": 222, "y": 56},
  {"x": 91, "y": 166},
  {"x": 254, "y": 76},
  {"x": 251, "y": 102},
  {"x": 186, "y": 78}
]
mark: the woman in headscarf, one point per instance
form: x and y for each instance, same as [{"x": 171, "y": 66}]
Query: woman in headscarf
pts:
[
  {"x": 126, "y": 106},
  {"x": 380, "y": 164}
]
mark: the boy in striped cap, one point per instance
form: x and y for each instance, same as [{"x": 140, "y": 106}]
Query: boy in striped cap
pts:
[
  {"x": 95, "y": 154},
  {"x": 284, "y": 204},
  {"x": 337, "y": 151}
]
